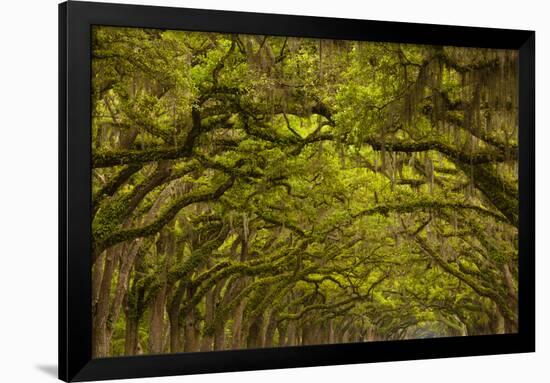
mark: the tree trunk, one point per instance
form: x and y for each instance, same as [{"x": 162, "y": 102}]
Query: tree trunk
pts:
[
  {"x": 156, "y": 322},
  {"x": 255, "y": 332},
  {"x": 281, "y": 330},
  {"x": 191, "y": 333},
  {"x": 207, "y": 337},
  {"x": 219, "y": 337},
  {"x": 331, "y": 333},
  {"x": 127, "y": 262},
  {"x": 97, "y": 274},
  {"x": 131, "y": 336},
  {"x": 133, "y": 311},
  {"x": 292, "y": 334},
  {"x": 236, "y": 342},
  {"x": 100, "y": 338},
  {"x": 174, "y": 318},
  {"x": 269, "y": 333}
]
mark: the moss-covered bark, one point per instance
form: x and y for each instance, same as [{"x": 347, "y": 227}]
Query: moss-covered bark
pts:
[{"x": 253, "y": 191}]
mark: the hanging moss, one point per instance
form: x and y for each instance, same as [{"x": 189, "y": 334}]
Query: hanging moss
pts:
[{"x": 285, "y": 191}]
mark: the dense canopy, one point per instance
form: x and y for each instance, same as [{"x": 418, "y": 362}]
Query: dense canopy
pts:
[{"x": 258, "y": 191}]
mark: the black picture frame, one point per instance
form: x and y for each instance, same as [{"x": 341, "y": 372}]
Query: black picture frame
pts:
[{"x": 75, "y": 316}]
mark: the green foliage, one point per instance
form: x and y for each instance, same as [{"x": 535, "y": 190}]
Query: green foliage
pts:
[{"x": 262, "y": 191}]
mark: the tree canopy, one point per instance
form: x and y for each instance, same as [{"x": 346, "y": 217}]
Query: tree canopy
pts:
[{"x": 259, "y": 191}]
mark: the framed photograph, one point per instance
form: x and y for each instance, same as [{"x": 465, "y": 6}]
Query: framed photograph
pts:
[{"x": 246, "y": 191}]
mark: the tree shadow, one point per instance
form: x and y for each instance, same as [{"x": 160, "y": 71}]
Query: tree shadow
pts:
[{"x": 48, "y": 369}]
